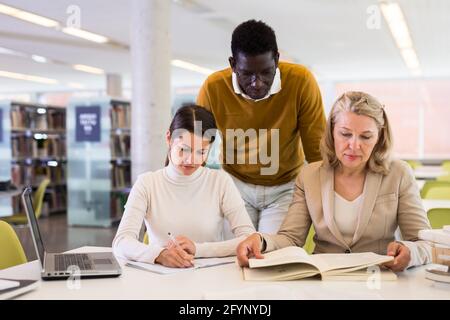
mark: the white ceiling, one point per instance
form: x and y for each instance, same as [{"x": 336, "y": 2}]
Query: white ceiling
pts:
[{"x": 329, "y": 36}]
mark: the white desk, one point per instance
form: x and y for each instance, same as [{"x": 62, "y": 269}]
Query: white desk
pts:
[
  {"x": 193, "y": 284},
  {"x": 431, "y": 204},
  {"x": 429, "y": 172}
]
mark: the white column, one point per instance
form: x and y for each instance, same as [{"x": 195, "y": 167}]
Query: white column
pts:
[
  {"x": 150, "y": 61},
  {"x": 114, "y": 85}
]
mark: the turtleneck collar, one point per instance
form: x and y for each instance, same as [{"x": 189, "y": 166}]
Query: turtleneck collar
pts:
[{"x": 176, "y": 177}]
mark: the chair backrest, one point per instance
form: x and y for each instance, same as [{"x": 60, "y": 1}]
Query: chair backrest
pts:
[
  {"x": 38, "y": 197},
  {"x": 11, "y": 251},
  {"x": 414, "y": 163},
  {"x": 446, "y": 165},
  {"x": 444, "y": 178},
  {"x": 439, "y": 217},
  {"x": 145, "y": 240},
  {"x": 309, "y": 243},
  {"x": 436, "y": 190}
]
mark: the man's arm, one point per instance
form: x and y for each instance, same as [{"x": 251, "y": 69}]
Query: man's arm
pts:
[
  {"x": 311, "y": 119},
  {"x": 203, "y": 99}
]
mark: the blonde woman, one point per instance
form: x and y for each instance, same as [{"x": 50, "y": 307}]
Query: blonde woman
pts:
[{"x": 357, "y": 196}]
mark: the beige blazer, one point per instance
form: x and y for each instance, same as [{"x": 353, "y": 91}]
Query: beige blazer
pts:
[{"x": 389, "y": 202}]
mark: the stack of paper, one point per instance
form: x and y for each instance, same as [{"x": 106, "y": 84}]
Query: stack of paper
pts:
[
  {"x": 441, "y": 253},
  {"x": 441, "y": 236}
]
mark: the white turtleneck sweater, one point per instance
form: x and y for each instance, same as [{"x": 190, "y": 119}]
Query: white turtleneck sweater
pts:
[{"x": 193, "y": 206}]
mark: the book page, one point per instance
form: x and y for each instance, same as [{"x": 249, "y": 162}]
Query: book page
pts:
[
  {"x": 286, "y": 255},
  {"x": 284, "y": 272},
  {"x": 361, "y": 275},
  {"x": 345, "y": 262}
]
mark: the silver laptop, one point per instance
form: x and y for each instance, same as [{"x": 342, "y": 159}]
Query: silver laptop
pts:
[{"x": 62, "y": 266}]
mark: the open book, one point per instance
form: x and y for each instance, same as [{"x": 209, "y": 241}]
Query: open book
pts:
[{"x": 293, "y": 263}]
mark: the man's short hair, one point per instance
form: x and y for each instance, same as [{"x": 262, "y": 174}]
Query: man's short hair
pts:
[{"x": 253, "y": 38}]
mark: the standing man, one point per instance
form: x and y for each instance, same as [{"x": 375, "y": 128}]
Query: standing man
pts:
[{"x": 260, "y": 102}]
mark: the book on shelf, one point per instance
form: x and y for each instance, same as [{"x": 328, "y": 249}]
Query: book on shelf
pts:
[
  {"x": 25, "y": 117},
  {"x": 120, "y": 116},
  {"x": 292, "y": 263},
  {"x": 38, "y": 151},
  {"x": 23, "y": 174},
  {"x": 120, "y": 146},
  {"x": 121, "y": 176},
  {"x": 23, "y": 147},
  {"x": 117, "y": 204},
  {"x": 56, "y": 119}
]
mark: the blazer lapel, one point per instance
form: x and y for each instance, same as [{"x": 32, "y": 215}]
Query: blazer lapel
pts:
[
  {"x": 370, "y": 193},
  {"x": 327, "y": 190}
]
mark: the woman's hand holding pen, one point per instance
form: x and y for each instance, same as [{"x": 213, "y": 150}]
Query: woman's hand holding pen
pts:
[
  {"x": 185, "y": 243},
  {"x": 179, "y": 253},
  {"x": 175, "y": 257}
]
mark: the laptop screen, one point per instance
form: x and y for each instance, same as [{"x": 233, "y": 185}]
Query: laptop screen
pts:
[{"x": 36, "y": 234}]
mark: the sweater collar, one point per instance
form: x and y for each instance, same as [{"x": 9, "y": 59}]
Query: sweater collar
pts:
[
  {"x": 173, "y": 175},
  {"x": 275, "y": 88}
]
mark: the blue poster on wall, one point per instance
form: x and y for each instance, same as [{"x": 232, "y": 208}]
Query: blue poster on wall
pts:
[
  {"x": 87, "y": 127},
  {"x": 1, "y": 125}
]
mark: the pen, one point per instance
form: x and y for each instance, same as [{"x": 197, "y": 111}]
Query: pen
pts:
[
  {"x": 172, "y": 238},
  {"x": 175, "y": 242}
]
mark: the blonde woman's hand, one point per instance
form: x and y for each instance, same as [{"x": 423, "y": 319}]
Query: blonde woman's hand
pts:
[
  {"x": 401, "y": 254},
  {"x": 249, "y": 248}
]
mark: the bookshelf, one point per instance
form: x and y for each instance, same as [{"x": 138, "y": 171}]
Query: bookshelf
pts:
[
  {"x": 32, "y": 148},
  {"x": 99, "y": 171}
]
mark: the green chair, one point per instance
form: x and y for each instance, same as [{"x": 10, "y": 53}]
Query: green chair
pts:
[
  {"x": 145, "y": 240},
  {"x": 444, "y": 178},
  {"x": 309, "y": 243},
  {"x": 446, "y": 165},
  {"x": 436, "y": 190},
  {"x": 11, "y": 251},
  {"x": 439, "y": 217},
  {"x": 38, "y": 200},
  {"x": 414, "y": 164}
]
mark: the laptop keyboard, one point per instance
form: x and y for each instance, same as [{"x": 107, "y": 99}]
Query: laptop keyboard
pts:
[{"x": 64, "y": 261}]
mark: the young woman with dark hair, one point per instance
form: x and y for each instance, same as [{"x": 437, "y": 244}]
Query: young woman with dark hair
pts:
[{"x": 185, "y": 199}]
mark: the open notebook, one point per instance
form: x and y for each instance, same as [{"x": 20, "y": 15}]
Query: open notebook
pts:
[
  {"x": 198, "y": 263},
  {"x": 293, "y": 263}
]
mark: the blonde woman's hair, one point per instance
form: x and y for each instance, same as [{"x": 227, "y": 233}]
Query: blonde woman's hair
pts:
[{"x": 364, "y": 104}]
